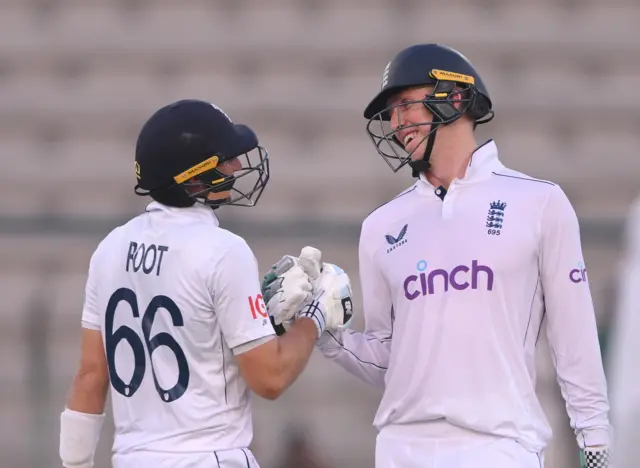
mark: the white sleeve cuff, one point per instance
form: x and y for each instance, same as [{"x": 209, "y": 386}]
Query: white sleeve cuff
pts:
[
  {"x": 90, "y": 326},
  {"x": 331, "y": 343},
  {"x": 249, "y": 345},
  {"x": 594, "y": 437}
]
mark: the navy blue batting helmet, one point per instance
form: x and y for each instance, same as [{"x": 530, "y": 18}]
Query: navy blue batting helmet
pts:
[{"x": 450, "y": 74}]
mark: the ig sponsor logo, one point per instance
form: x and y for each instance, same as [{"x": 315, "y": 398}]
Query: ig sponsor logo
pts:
[{"x": 257, "y": 307}]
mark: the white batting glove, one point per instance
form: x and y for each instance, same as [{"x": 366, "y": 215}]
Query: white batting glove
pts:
[
  {"x": 331, "y": 306},
  {"x": 333, "y": 280},
  {"x": 311, "y": 262},
  {"x": 286, "y": 288}
]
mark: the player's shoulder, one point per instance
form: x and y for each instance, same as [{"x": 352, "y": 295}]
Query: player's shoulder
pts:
[
  {"x": 520, "y": 180},
  {"x": 526, "y": 186},
  {"x": 194, "y": 230},
  {"x": 397, "y": 207},
  {"x": 229, "y": 241},
  {"x": 545, "y": 197},
  {"x": 109, "y": 243},
  {"x": 213, "y": 243},
  {"x": 204, "y": 239}
]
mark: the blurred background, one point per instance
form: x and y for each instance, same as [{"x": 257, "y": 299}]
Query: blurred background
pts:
[{"x": 79, "y": 77}]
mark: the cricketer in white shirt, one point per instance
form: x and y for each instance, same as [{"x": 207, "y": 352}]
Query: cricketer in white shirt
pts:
[
  {"x": 624, "y": 355},
  {"x": 456, "y": 292},
  {"x": 174, "y": 320},
  {"x": 170, "y": 333}
]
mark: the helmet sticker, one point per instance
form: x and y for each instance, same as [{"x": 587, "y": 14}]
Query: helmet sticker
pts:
[
  {"x": 451, "y": 76},
  {"x": 385, "y": 75}
]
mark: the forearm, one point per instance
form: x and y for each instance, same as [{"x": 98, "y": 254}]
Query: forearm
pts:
[
  {"x": 360, "y": 354},
  {"x": 81, "y": 421},
  {"x": 582, "y": 381},
  {"x": 578, "y": 362},
  {"x": 294, "y": 350},
  {"x": 88, "y": 393}
]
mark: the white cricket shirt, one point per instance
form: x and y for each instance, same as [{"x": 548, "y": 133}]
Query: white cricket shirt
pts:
[
  {"x": 455, "y": 293},
  {"x": 173, "y": 294}
]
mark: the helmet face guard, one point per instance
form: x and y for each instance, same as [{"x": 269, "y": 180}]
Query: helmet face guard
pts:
[
  {"x": 196, "y": 183},
  {"x": 455, "y": 89},
  {"x": 245, "y": 185},
  {"x": 181, "y": 151},
  {"x": 440, "y": 103}
]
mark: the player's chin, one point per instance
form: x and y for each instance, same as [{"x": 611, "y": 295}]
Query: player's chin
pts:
[{"x": 416, "y": 150}]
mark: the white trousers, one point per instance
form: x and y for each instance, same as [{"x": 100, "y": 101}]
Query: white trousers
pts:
[
  {"x": 393, "y": 451},
  {"x": 235, "y": 458}
]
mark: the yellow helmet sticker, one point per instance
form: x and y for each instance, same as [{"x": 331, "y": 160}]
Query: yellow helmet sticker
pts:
[
  {"x": 451, "y": 76},
  {"x": 198, "y": 169}
]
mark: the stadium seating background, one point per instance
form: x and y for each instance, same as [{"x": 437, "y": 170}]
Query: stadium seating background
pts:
[{"x": 78, "y": 79}]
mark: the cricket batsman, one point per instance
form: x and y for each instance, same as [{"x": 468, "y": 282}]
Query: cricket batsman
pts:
[
  {"x": 460, "y": 274},
  {"x": 174, "y": 322}
]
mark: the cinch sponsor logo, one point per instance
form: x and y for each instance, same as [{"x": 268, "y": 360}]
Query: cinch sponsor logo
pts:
[
  {"x": 578, "y": 275},
  {"x": 459, "y": 278}
]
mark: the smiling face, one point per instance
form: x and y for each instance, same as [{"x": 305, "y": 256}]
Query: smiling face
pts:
[
  {"x": 410, "y": 120},
  {"x": 404, "y": 131}
]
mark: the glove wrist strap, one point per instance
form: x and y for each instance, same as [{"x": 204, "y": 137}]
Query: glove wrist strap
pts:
[{"x": 312, "y": 311}]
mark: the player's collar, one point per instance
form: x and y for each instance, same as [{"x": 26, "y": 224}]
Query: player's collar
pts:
[
  {"x": 484, "y": 161},
  {"x": 197, "y": 210}
]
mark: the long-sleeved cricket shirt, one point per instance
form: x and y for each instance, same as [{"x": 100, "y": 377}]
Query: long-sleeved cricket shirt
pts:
[{"x": 457, "y": 286}]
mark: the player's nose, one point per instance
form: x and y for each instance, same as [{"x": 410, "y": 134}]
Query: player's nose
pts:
[
  {"x": 236, "y": 165},
  {"x": 396, "y": 118},
  {"x": 231, "y": 166}
]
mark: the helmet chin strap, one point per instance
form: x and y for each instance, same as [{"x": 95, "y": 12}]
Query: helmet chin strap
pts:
[
  {"x": 422, "y": 165},
  {"x": 214, "y": 204},
  {"x": 442, "y": 111}
]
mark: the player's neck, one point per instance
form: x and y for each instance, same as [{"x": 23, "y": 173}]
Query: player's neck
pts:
[{"x": 450, "y": 159}]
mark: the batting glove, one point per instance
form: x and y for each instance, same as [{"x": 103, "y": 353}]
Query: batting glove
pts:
[
  {"x": 331, "y": 307},
  {"x": 594, "y": 457},
  {"x": 285, "y": 288}
]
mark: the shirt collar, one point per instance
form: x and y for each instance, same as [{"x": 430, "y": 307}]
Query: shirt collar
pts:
[
  {"x": 484, "y": 161},
  {"x": 198, "y": 210}
]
